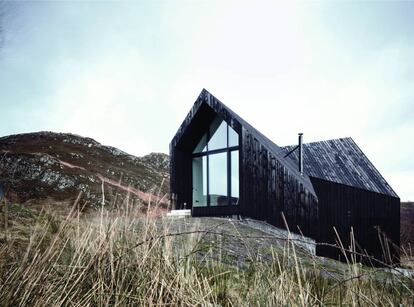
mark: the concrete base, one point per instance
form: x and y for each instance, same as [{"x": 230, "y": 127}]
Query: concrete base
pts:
[{"x": 179, "y": 213}]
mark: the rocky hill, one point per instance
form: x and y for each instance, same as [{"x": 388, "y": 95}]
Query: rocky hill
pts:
[
  {"x": 407, "y": 224},
  {"x": 60, "y": 166}
]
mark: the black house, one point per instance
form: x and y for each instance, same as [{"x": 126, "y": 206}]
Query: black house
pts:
[{"x": 222, "y": 166}]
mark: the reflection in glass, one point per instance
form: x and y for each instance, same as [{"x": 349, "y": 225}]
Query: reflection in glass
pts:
[
  {"x": 213, "y": 173},
  {"x": 218, "y": 134},
  {"x": 234, "y": 177},
  {"x": 218, "y": 179},
  {"x": 200, "y": 181},
  {"x": 233, "y": 137}
]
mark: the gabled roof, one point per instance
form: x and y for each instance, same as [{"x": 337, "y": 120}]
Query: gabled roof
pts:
[
  {"x": 341, "y": 161},
  {"x": 219, "y": 107}
]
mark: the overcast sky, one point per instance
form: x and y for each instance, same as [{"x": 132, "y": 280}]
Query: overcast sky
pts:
[{"x": 127, "y": 73}]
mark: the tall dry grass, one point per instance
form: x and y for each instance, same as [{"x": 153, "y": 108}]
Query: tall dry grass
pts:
[{"x": 120, "y": 258}]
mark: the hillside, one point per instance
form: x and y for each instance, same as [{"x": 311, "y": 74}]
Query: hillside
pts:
[
  {"x": 58, "y": 166},
  {"x": 407, "y": 224},
  {"x": 122, "y": 258},
  {"x": 92, "y": 258}
]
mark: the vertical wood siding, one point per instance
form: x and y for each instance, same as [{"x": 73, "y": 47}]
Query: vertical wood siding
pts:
[
  {"x": 268, "y": 189},
  {"x": 270, "y": 186},
  {"x": 345, "y": 207}
]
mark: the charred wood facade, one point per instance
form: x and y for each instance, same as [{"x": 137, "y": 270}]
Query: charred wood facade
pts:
[
  {"x": 338, "y": 188},
  {"x": 269, "y": 188},
  {"x": 372, "y": 218}
]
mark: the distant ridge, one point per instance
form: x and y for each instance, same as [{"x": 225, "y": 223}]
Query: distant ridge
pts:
[{"x": 60, "y": 165}]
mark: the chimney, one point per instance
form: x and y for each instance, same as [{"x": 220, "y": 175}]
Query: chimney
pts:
[{"x": 300, "y": 154}]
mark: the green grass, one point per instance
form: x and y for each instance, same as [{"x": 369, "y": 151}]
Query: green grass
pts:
[{"x": 123, "y": 259}]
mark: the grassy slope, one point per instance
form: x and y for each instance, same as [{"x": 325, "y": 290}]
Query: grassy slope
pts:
[
  {"x": 122, "y": 258},
  {"x": 119, "y": 259}
]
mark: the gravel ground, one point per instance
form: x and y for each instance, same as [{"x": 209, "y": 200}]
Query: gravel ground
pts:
[{"x": 241, "y": 242}]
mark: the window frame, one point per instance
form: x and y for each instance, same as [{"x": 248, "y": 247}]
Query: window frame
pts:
[{"x": 227, "y": 150}]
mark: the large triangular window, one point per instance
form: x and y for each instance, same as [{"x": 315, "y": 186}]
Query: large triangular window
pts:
[
  {"x": 216, "y": 166},
  {"x": 218, "y": 136}
]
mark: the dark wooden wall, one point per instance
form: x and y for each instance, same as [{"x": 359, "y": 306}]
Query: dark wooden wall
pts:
[
  {"x": 343, "y": 207},
  {"x": 268, "y": 188}
]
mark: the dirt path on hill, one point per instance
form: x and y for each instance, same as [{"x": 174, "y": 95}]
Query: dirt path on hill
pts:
[{"x": 144, "y": 196}]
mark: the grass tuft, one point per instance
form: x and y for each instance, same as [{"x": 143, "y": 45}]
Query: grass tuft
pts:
[{"x": 121, "y": 258}]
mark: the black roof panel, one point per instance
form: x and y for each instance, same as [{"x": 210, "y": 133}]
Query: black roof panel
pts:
[{"x": 341, "y": 161}]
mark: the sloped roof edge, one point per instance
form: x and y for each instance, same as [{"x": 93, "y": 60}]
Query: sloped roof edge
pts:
[
  {"x": 278, "y": 152},
  {"x": 341, "y": 161}
]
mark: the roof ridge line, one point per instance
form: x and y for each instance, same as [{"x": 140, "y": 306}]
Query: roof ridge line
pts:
[{"x": 329, "y": 140}]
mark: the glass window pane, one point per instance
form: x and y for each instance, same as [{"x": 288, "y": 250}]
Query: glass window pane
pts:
[
  {"x": 202, "y": 145},
  {"x": 218, "y": 179},
  {"x": 234, "y": 177},
  {"x": 218, "y": 134},
  {"x": 200, "y": 181},
  {"x": 233, "y": 137}
]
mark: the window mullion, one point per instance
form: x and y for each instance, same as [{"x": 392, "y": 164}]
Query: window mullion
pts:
[
  {"x": 208, "y": 181},
  {"x": 228, "y": 169},
  {"x": 228, "y": 177},
  {"x": 227, "y": 130},
  {"x": 208, "y": 169}
]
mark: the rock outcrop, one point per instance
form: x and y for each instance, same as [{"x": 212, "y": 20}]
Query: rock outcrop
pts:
[{"x": 59, "y": 166}]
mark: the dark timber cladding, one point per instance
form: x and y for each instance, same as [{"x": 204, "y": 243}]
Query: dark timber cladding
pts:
[
  {"x": 345, "y": 208},
  {"x": 338, "y": 192},
  {"x": 269, "y": 183},
  {"x": 351, "y": 193}
]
